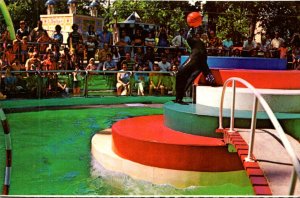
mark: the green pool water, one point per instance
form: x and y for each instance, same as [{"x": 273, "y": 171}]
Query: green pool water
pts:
[{"x": 51, "y": 156}]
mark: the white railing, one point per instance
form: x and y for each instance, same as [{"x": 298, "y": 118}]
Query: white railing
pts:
[{"x": 272, "y": 117}]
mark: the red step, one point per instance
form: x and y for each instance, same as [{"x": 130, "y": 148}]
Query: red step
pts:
[{"x": 147, "y": 141}]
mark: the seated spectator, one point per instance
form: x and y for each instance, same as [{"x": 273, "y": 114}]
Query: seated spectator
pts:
[
  {"x": 137, "y": 40},
  {"x": 102, "y": 55},
  {"x": 139, "y": 55},
  {"x": 204, "y": 38},
  {"x": 155, "y": 80},
  {"x": 116, "y": 57},
  {"x": 164, "y": 65},
  {"x": 130, "y": 63},
  {"x": 33, "y": 63},
  {"x": 227, "y": 45},
  {"x": 140, "y": 81},
  {"x": 58, "y": 37},
  {"x": 248, "y": 47},
  {"x": 10, "y": 81},
  {"x": 123, "y": 81},
  {"x": 150, "y": 40},
  {"x": 124, "y": 41},
  {"x": 213, "y": 43},
  {"x": 110, "y": 65},
  {"x": 9, "y": 55},
  {"x": 91, "y": 65}
]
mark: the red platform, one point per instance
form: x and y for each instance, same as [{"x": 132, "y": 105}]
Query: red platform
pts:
[
  {"x": 266, "y": 79},
  {"x": 147, "y": 141}
]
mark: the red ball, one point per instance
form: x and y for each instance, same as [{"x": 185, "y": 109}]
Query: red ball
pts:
[{"x": 194, "y": 19}]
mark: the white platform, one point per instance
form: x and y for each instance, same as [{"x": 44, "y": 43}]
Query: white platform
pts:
[
  {"x": 103, "y": 154},
  {"x": 280, "y": 100}
]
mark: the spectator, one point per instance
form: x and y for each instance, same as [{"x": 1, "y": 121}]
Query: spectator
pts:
[
  {"x": 283, "y": 50},
  {"x": 295, "y": 42},
  {"x": 296, "y": 57},
  {"x": 155, "y": 80},
  {"x": 124, "y": 41},
  {"x": 65, "y": 59},
  {"x": 248, "y": 47},
  {"x": 130, "y": 63},
  {"x": 5, "y": 38},
  {"x": 213, "y": 43},
  {"x": 227, "y": 45},
  {"x": 33, "y": 63},
  {"x": 265, "y": 47},
  {"x": 91, "y": 32},
  {"x": 123, "y": 81},
  {"x": 9, "y": 81},
  {"x": 164, "y": 65},
  {"x": 16, "y": 49},
  {"x": 116, "y": 57},
  {"x": 49, "y": 63},
  {"x": 137, "y": 39},
  {"x": 91, "y": 66},
  {"x": 21, "y": 32},
  {"x": 140, "y": 81},
  {"x": 102, "y": 55},
  {"x": 150, "y": 40},
  {"x": 105, "y": 37},
  {"x": 37, "y": 32},
  {"x": 24, "y": 49},
  {"x": 58, "y": 37},
  {"x": 74, "y": 39},
  {"x": 149, "y": 57},
  {"x": 90, "y": 47},
  {"x": 76, "y": 80},
  {"x": 43, "y": 42},
  {"x": 275, "y": 44},
  {"x": 204, "y": 38},
  {"x": 139, "y": 55},
  {"x": 163, "y": 37},
  {"x": 109, "y": 64},
  {"x": 9, "y": 55},
  {"x": 179, "y": 40}
]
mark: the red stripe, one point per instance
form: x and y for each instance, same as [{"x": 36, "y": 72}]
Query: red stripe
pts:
[
  {"x": 5, "y": 126},
  {"x": 8, "y": 158},
  {"x": 5, "y": 190}
]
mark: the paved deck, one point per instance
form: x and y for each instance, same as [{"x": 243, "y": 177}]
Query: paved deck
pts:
[{"x": 274, "y": 160}]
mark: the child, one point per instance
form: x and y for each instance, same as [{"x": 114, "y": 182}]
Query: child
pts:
[
  {"x": 76, "y": 81},
  {"x": 24, "y": 49},
  {"x": 283, "y": 51}
]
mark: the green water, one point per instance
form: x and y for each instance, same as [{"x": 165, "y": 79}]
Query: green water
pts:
[{"x": 51, "y": 156}]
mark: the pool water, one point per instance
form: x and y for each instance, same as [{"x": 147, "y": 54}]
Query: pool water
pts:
[{"x": 51, "y": 156}]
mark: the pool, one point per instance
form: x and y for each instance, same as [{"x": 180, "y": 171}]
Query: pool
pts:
[{"x": 51, "y": 156}]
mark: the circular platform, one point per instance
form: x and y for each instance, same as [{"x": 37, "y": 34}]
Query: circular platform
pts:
[
  {"x": 147, "y": 141},
  {"x": 103, "y": 154}
]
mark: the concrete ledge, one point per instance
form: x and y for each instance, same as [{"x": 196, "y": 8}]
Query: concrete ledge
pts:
[{"x": 280, "y": 100}]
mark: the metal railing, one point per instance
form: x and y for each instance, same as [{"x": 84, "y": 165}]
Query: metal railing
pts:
[{"x": 258, "y": 98}]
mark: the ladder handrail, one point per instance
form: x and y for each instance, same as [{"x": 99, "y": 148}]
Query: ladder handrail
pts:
[{"x": 272, "y": 117}]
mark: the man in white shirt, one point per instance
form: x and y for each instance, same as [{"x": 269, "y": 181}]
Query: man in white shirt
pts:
[
  {"x": 164, "y": 65},
  {"x": 179, "y": 40}
]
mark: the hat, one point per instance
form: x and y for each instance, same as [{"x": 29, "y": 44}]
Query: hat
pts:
[{"x": 156, "y": 62}]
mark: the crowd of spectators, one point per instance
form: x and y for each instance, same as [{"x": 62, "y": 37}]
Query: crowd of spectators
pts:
[{"x": 36, "y": 50}]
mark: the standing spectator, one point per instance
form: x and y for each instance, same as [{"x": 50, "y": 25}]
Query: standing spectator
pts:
[
  {"x": 22, "y": 31},
  {"x": 265, "y": 47},
  {"x": 204, "y": 38},
  {"x": 9, "y": 55},
  {"x": 65, "y": 59},
  {"x": 213, "y": 43},
  {"x": 43, "y": 42},
  {"x": 91, "y": 32},
  {"x": 16, "y": 49},
  {"x": 76, "y": 80},
  {"x": 283, "y": 50},
  {"x": 24, "y": 49},
  {"x": 227, "y": 45},
  {"x": 179, "y": 40},
  {"x": 74, "y": 39},
  {"x": 275, "y": 44},
  {"x": 163, "y": 37},
  {"x": 5, "y": 38},
  {"x": 37, "y": 32},
  {"x": 295, "y": 42},
  {"x": 57, "y": 37},
  {"x": 90, "y": 47},
  {"x": 105, "y": 37}
]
